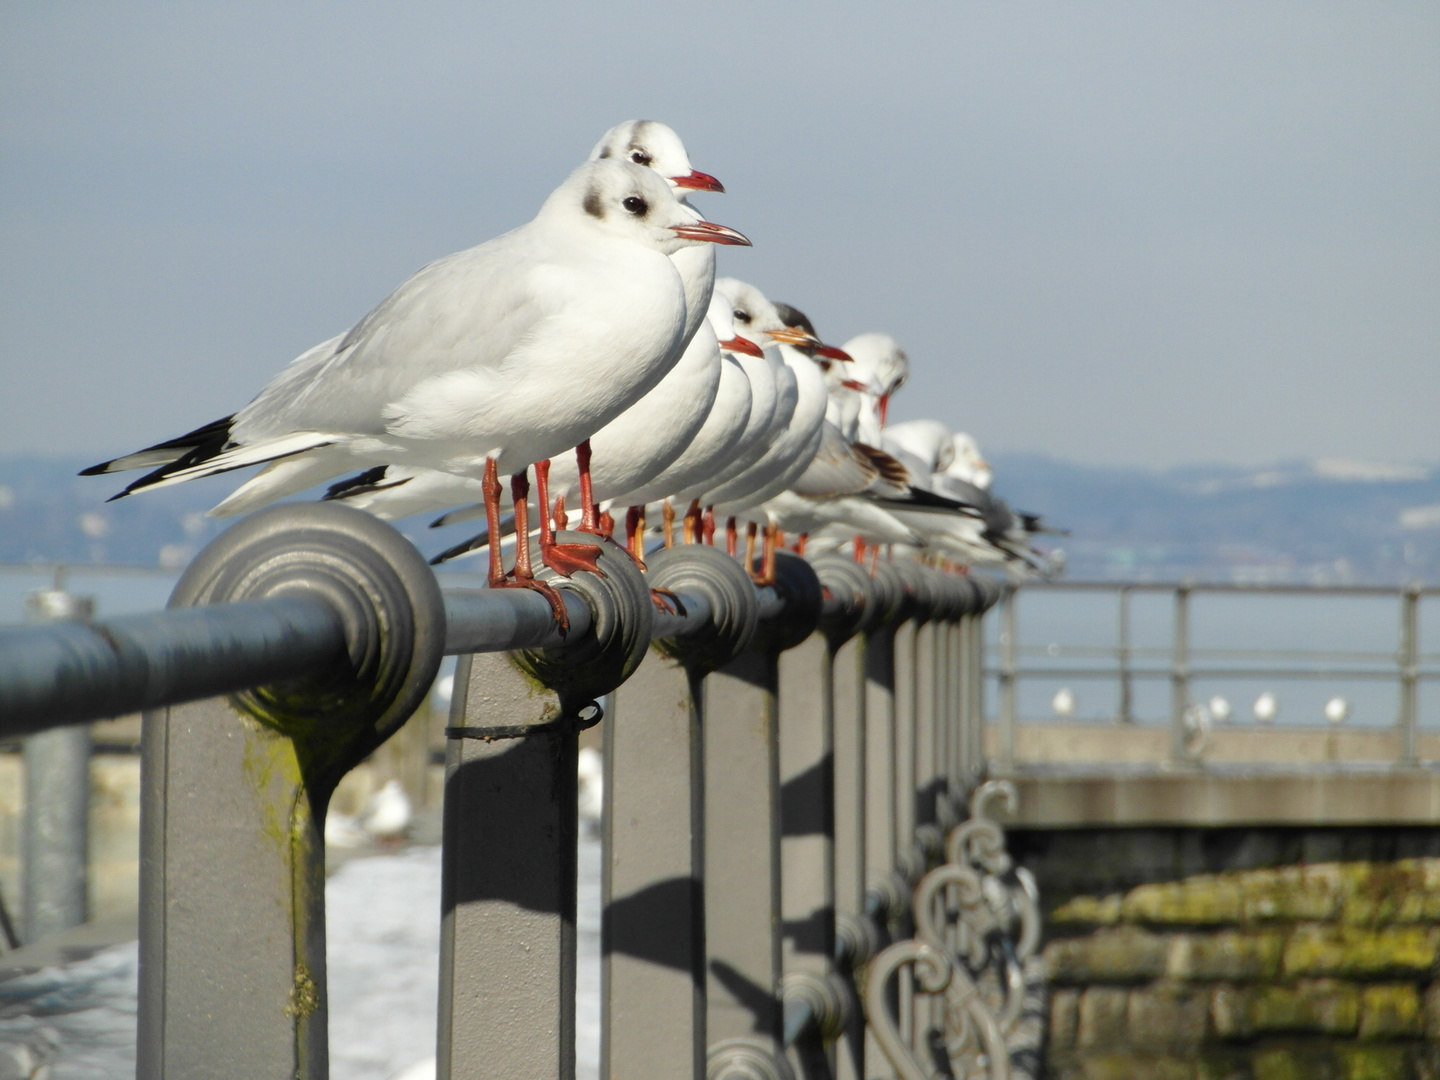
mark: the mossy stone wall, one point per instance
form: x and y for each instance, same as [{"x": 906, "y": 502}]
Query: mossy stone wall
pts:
[{"x": 1321, "y": 970}]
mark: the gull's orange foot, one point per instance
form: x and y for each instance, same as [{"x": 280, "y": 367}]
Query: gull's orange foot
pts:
[
  {"x": 639, "y": 562},
  {"x": 566, "y": 559},
  {"x": 666, "y": 602}
]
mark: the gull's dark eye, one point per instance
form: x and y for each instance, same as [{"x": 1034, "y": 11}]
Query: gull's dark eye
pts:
[
  {"x": 741, "y": 316},
  {"x": 636, "y": 205},
  {"x": 639, "y": 157}
]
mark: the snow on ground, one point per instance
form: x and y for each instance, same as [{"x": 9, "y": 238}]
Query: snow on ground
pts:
[
  {"x": 383, "y": 937},
  {"x": 382, "y": 926},
  {"x": 89, "y": 1009}
]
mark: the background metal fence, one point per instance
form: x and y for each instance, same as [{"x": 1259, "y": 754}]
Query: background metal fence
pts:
[
  {"x": 1177, "y": 661},
  {"x": 801, "y": 875}
]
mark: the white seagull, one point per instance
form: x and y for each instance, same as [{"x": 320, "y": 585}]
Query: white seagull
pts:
[
  {"x": 485, "y": 361},
  {"x": 634, "y": 446}
]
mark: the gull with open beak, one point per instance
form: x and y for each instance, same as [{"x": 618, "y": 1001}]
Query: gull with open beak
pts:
[{"x": 483, "y": 362}]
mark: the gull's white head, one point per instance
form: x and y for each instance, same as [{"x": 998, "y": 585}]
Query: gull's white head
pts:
[
  {"x": 969, "y": 465},
  {"x": 721, "y": 320},
  {"x": 881, "y": 364},
  {"x": 802, "y": 335},
  {"x": 754, "y": 316},
  {"x": 627, "y": 201},
  {"x": 768, "y": 323},
  {"x": 653, "y": 145},
  {"x": 928, "y": 440}
]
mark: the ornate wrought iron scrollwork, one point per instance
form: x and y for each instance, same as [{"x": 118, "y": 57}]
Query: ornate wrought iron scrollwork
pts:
[{"x": 933, "y": 972}]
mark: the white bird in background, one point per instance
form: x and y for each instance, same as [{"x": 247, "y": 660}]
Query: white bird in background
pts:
[
  {"x": 485, "y": 361},
  {"x": 388, "y": 814},
  {"x": 882, "y": 367},
  {"x": 590, "y": 776},
  {"x": 968, "y": 464}
]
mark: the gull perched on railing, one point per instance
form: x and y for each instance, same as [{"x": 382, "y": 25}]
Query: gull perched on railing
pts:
[
  {"x": 483, "y": 362},
  {"x": 634, "y": 446}
]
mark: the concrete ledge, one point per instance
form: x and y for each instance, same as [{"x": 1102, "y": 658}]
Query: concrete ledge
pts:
[
  {"x": 1293, "y": 745},
  {"x": 1057, "y": 798}
]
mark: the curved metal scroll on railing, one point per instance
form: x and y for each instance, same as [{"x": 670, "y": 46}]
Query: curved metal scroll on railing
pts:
[
  {"x": 971, "y": 1026},
  {"x": 983, "y": 911}
]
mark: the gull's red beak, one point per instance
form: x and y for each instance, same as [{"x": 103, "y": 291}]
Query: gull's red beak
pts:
[
  {"x": 884, "y": 408},
  {"x": 742, "y": 345},
  {"x": 699, "y": 181},
  {"x": 852, "y": 384},
  {"x": 793, "y": 335},
  {"x": 711, "y": 233}
]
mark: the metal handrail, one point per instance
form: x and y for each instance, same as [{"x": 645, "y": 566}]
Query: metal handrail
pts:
[
  {"x": 1213, "y": 673},
  {"x": 70, "y": 673},
  {"x": 1233, "y": 587},
  {"x": 1181, "y": 664}
]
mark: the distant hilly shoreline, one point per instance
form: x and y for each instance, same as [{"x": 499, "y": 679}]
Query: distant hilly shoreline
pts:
[{"x": 1327, "y": 522}]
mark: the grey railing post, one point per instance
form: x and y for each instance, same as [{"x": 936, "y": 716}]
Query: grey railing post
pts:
[
  {"x": 952, "y": 714},
  {"x": 947, "y": 717},
  {"x": 902, "y": 777},
  {"x": 744, "y": 1015},
  {"x": 988, "y": 593},
  {"x": 880, "y": 695},
  {"x": 1180, "y": 675},
  {"x": 940, "y": 805},
  {"x": 924, "y": 789},
  {"x": 232, "y": 916},
  {"x": 1409, "y": 674},
  {"x": 1005, "y": 755},
  {"x": 1126, "y": 713},
  {"x": 808, "y": 810},
  {"x": 962, "y": 656},
  {"x": 652, "y": 890},
  {"x": 962, "y": 700},
  {"x": 57, "y": 800},
  {"x": 507, "y": 932},
  {"x": 848, "y": 708}
]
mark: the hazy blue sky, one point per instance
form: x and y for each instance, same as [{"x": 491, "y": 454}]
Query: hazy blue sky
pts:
[{"x": 1140, "y": 233}]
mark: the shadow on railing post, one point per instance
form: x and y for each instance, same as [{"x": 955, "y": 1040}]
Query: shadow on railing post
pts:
[
  {"x": 880, "y": 710},
  {"x": 856, "y": 936},
  {"x": 653, "y": 971},
  {"x": 507, "y": 944},
  {"x": 235, "y": 792},
  {"x": 744, "y": 1016},
  {"x": 813, "y": 675}
]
